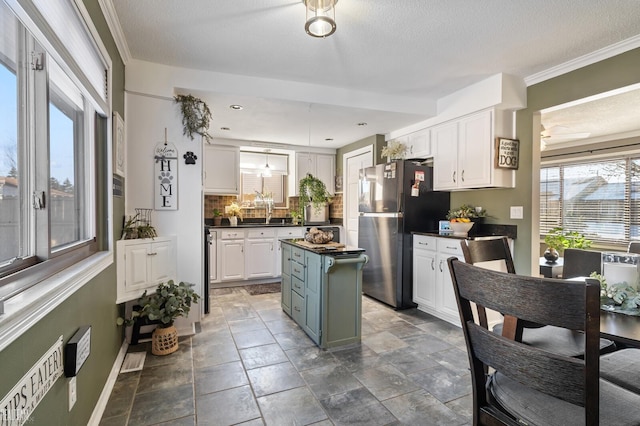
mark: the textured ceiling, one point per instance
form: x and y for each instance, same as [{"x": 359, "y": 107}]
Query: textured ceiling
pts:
[{"x": 411, "y": 52}]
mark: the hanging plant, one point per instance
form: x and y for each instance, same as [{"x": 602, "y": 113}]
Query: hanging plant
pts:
[
  {"x": 196, "y": 116},
  {"x": 313, "y": 191}
]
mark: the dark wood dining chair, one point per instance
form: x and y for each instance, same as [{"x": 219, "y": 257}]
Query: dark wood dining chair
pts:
[
  {"x": 528, "y": 385},
  {"x": 553, "y": 339},
  {"x": 581, "y": 263},
  {"x": 633, "y": 247}
]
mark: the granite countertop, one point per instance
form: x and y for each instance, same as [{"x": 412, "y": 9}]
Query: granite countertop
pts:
[
  {"x": 481, "y": 230},
  {"x": 256, "y": 225},
  {"x": 333, "y": 249}
]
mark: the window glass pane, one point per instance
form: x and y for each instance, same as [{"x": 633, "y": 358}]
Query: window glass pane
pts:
[
  {"x": 594, "y": 199},
  {"x": 550, "y": 201},
  {"x": 598, "y": 199},
  {"x": 65, "y": 131},
  {"x": 634, "y": 200},
  {"x": 10, "y": 219}
]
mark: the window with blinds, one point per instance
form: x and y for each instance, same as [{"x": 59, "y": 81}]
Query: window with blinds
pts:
[{"x": 599, "y": 199}]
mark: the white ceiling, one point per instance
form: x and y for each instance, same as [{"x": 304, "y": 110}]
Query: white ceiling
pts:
[{"x": 387, "y": 64}]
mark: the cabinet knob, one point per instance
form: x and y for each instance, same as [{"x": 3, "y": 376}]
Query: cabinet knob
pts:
[
  {"x": 433, "y": 266},
  {"x": 454, "y": 177},
  {"x": 462, "y": 175},
  {"x": 152, "y": 254},
  {"x": 440, "y": 266}
]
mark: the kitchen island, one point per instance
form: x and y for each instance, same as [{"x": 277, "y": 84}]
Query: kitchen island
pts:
[{"x": 322, "y": 290}]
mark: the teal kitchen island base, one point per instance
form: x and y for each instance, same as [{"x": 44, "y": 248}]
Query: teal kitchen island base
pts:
[{"x": 322, "y": 291}]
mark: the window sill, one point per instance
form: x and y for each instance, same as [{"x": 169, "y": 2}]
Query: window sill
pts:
[{"x": 25, "y": 309}]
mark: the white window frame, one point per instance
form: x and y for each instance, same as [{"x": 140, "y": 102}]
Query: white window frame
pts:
[{"x": 34, "y": 302}]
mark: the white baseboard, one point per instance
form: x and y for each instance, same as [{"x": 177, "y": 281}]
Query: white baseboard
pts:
[{"x": 101, "y": 405}]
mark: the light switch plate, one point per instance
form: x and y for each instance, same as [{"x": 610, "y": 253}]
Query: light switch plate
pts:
[
  {"x": 517, "y": 212},
  {"x": 73, "y": 392}
]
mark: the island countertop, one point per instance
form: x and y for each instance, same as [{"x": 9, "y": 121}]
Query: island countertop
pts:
[{"x": 331, "y": 248}]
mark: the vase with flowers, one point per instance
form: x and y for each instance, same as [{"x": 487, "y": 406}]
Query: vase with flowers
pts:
[
  {"x": 235, "y": 212},
  {"x": 394, "y": 150}
]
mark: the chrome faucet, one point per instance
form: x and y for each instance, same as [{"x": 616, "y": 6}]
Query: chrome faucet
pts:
[{"x": 269, "y": 207}]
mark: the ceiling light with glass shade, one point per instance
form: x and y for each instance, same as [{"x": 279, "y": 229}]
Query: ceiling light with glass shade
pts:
[
  {"x": 321, "y": 17},
  {"x": 266, "y": 171}
]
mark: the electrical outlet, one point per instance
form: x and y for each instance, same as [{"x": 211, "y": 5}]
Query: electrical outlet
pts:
[
  {"x": 517, "y": 212},
  {"x": 73, "y": 394}
]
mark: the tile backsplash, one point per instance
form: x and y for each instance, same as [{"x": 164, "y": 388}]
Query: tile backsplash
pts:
[{"x": 212, "y": 202}]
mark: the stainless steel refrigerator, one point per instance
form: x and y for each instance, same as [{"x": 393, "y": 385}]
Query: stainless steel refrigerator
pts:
[{"x": 395, "y": 199}]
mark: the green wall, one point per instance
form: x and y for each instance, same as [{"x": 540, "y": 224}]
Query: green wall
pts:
[
  {"x": 94, "y": 305},
  {"x": 619, "y": 71},
  {"x": 376, "y": 140}
]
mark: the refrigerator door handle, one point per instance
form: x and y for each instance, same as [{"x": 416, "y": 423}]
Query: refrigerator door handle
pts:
[{"x": 368, "y": 214}]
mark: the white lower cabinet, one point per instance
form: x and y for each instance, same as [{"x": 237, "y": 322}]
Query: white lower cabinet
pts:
[
  {"x": 424, "y": 271},
  {"x": 432, "y": 285},
  {"x": 232, "y": 257},
  {"x": 251, "y": 253},
  {"x": 142, "y": 264},
  {"x": 259, "y": 261}
]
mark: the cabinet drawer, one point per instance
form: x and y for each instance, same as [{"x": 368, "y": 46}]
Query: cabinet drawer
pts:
[
  {"x": 297, "y": 254},
  {"x": 228, "y": 234},
  {"x": 297, "y": 270},
  {"x": 424, "y": 242},
  {"x": 261, "y": 233},
  {"x": 295, "y": 232},
  {"x": 297, "y": 308},
  {"x": 449, "y": 246},
  {"x": 297, "y": 285}
]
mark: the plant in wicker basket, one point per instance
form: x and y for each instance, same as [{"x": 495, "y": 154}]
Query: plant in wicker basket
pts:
[{"x": 168, "y": 302}]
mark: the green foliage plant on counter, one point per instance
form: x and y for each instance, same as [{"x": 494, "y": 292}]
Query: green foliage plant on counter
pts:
[
  {"x": 168, "y": 302},
  {"x": 466, "y": 211},
  {"x": 559, "y": 239},
  {"x": 131, "y": 230},
  {"x": 196, "y": 116},
  {"x": 313, "y": 191}
]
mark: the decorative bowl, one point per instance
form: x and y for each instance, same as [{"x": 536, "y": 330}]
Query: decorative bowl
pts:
[{"x": 460, "y": 229}]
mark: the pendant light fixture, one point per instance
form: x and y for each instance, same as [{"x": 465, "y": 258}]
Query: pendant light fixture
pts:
[
  {"x": 321, "y": 17},
  {"x": 266, "y": 172}
]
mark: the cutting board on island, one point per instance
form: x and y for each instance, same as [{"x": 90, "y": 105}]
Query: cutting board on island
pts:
[{"x": 330, "y": 244}]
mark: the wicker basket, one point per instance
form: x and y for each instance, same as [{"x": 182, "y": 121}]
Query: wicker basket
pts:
[{"x": 164, "y": 341}]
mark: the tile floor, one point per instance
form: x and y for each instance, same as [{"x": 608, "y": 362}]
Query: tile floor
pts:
[{"x": 250, "y": 364}]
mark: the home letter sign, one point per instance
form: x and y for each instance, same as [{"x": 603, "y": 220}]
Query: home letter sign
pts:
[
  {"x": 165, "y": 179},
  {"x": 507, "y": 153}
]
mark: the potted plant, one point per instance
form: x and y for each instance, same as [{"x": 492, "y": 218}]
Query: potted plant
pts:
[
  {"x": 133, "y": 229},
  {"x": 217, "y": 217},
  {"x": 234, "y": 211},
  {"x": 313, "y": 194},
  {"x": 196, "y": 116},
  {"x": 168, "y": 302},
  {"x": 558, "y": 239}
]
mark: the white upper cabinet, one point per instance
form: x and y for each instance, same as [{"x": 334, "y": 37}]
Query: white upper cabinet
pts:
[
  {"x": 464, "y": 151},
  {"x": 322, "y": 166},
  {"x": 221, "y": 171},
  {"x": 419, "y": 144}
]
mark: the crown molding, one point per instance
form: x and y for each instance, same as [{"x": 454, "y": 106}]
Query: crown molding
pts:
[
  {"x": 110, "y": 15},
  {"x": 583, "y": 61}
]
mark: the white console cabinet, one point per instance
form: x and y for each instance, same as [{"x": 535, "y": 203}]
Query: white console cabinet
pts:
[{"x": 142, "y": 264}]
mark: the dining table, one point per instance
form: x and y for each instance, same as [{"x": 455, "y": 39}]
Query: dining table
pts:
[{"x": 620, "y": 328}]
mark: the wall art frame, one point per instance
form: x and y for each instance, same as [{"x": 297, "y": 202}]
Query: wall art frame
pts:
[{"x": 119, "y": 146}]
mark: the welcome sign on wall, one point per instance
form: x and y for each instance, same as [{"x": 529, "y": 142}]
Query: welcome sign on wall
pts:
[{"x": 165, "y": 180}]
